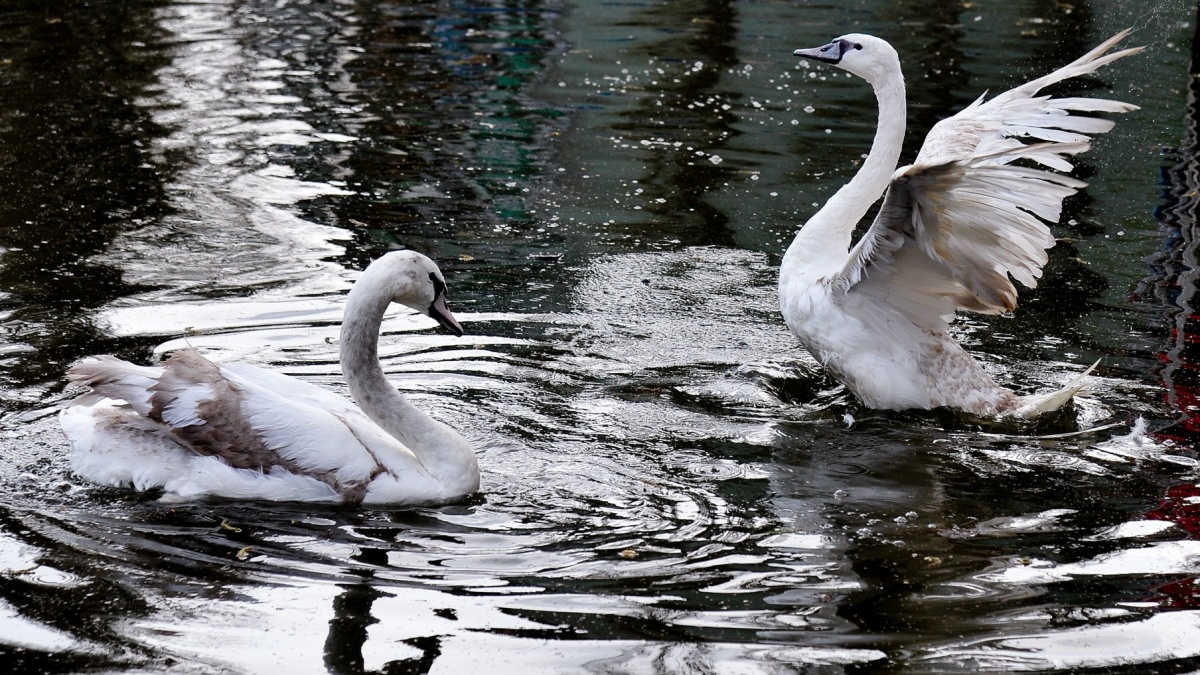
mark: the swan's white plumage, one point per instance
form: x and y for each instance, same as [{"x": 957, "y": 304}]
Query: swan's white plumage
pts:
[
  {"x": 955, "y": 229},
  {"x": 197, "y": 429}
]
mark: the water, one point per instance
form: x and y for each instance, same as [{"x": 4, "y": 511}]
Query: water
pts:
[{"x": 669, "y": 483}]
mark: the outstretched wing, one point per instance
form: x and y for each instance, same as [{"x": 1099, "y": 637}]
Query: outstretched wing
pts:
[{"x": 962, "y": 219}]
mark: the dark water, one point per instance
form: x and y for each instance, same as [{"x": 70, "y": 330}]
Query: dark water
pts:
[{"x": 670, "y": 485}]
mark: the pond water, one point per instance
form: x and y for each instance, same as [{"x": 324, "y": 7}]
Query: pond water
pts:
[{"x": 670, "y": 484}]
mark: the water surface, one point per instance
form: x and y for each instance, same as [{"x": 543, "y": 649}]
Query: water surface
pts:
[{"x": 670, "y": 484}]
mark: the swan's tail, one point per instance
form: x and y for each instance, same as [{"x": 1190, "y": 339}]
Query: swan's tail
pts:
[
  {"x": 110, "y": 377},
  {"x": 1038, "y": 404}
]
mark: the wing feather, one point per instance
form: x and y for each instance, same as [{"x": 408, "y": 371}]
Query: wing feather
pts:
[
  {"x": 248, "y": 417},
  {"x": 960, "y": 224}
]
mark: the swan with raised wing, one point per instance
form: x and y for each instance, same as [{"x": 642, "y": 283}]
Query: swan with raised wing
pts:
[
  {"x": 196, "y": 429},
  {"x": 952, "y": 229}
]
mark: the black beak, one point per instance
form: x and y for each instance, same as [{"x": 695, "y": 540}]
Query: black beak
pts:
[{"x": 830, "y": 53}]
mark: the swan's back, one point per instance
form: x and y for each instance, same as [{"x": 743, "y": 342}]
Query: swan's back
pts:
[
  {"x": 195, "y": 429},
  {"x": 244, "y": 418}
]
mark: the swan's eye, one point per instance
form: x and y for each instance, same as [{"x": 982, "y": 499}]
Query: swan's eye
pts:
[
  {"x": 439, "y": 286},
  {"x": 857, "y": 46}
]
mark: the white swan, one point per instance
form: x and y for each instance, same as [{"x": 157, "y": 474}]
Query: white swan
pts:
[
  {"x": 952, "y": 228},
  {"x": 197, "y": 429}
]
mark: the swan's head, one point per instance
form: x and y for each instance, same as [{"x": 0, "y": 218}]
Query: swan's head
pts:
[
  {"x": 867, "y": 56},
  {"x": 410, "y": 279}
]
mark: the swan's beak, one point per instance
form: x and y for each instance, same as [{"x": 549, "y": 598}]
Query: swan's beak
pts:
[
  {"x": 440, "y": 313},
  {"x": 830, "y": 53}
]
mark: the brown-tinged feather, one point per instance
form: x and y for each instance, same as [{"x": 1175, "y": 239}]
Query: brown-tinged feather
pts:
[{"x": 226, "y": 433}]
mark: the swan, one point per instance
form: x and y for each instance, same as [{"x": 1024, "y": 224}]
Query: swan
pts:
[
  {"x": 196, "y": 429},
  {"x": 952, "y": 229}
]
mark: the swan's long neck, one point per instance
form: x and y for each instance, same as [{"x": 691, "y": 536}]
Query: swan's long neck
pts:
[
  {"x": 439, "y": 448},
  {"x": 824, "y": 242}
]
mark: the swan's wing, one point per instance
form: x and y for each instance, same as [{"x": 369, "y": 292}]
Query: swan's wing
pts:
[
  {"x": 108, "y": 376},
  {"x": 961, "y": 220},
  {"x": 248, "y": 417},
  {"x": 297, "y": 390},
  {"x": 993, "y": 128}
]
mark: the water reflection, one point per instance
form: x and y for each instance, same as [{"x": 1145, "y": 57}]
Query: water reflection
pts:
[
  {"x": 68, "y": 124},
  {"x": 457, "y": 145},
  {"x": 670, "y": 485}
]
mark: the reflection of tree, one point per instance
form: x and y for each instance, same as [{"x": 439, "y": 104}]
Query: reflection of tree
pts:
[
  {"x": 932, "y": 56},
  {"x": 703, "y": 31},
  {"x": 456, "y": 140},
  {"x": 1176, "y": 270},
  {"x": 348, "y": 628},
  {"x": 348, "y": 635},
  {"x": 73, "y": 169},
  {"x": 431, "y": 648},
  {"x": 351, "y": 620},
  {"x": 1173, "y": 285},
  {"x": 453, "y": 147}
]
